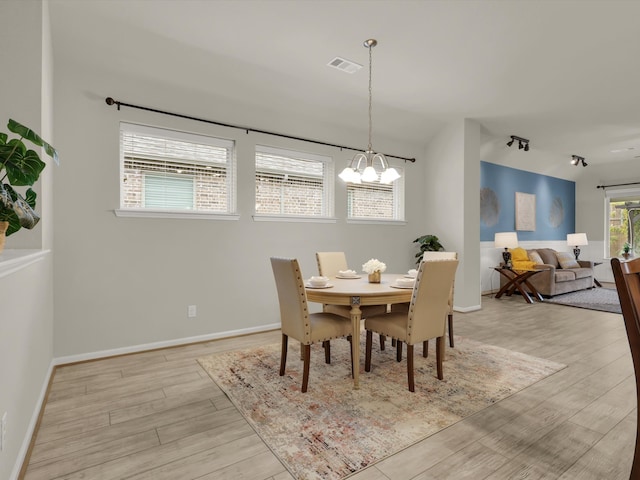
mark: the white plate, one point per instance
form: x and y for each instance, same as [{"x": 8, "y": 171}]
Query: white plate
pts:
[
  {"x": 328, "y": 285},
  {"x": 410, "y": 276},
  {"x": 402, "y": 286},
  {"x": 345, "y": 277}
]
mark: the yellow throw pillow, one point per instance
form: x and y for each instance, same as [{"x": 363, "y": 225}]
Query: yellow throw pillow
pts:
[
  {"x": 518, "y": 254},
  {"x": 520, "y": 259},
  {"x": 567, "y": 260}
]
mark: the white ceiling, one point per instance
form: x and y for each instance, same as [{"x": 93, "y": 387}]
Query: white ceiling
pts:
[{"x": 564, "y": 74}]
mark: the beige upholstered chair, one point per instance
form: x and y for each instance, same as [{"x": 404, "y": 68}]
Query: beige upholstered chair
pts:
[
  {"x": 425, "y": 319},
  {"x": 426, "y": 257},
  {"x": 296, "y": 320},
  {"x": 627, "y": 277},
  {"x": 329, "y": 264}
]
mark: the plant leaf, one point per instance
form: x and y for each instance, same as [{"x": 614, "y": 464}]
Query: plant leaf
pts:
[
  {"x": 23, "y": 166},
  {"x": 33, "y": 137}
]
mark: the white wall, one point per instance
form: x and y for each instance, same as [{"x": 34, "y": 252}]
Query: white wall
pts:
[
  {"x": 452, "y": 213},
  {"x": 123, "y": 282},
  {"x": 26, "y": 296}
]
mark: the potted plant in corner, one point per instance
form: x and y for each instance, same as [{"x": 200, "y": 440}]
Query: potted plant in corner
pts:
[
  {"x": 19, "y": 167},
  {"x": 626, "y": 250},
  {"x": 428, "y": 243}
]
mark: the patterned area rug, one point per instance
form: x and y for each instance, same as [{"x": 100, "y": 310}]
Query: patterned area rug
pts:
[
  {"x": 602, "y": 299},
  {"x": 333, "y": 431}
]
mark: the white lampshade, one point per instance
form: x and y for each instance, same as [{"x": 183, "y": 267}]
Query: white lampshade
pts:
[
  {"x": 347, "y": 174},
  {"x": 577, "y": 239},
  {"x": 369, "y": 174},
  {"x": 389, "y": 175},
  {"x": 506, "y": 240}
]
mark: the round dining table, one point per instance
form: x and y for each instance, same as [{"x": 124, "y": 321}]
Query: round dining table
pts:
[{"x": 355, "y": 292}]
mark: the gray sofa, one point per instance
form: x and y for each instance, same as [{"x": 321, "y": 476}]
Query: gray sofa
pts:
[{"x": 556, "y": 280}]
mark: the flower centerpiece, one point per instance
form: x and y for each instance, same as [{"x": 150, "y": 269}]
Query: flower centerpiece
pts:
[{"x": 374, "y": 268}]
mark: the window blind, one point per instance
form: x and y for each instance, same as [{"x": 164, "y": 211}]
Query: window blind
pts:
[
  {"x": 292, "y": 183},
  {"x": 175, "y": 171}
]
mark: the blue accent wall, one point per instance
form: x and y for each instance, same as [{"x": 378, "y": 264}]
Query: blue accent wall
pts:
[{"x": 555, "y": 203}]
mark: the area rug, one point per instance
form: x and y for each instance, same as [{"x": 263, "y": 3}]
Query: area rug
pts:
[
  {"x": 602, "y": 299},
  {"x": 333, "y": 431}
]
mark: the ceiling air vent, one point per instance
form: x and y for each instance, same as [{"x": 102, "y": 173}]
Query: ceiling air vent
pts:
[{"x": 344, "y": 65}]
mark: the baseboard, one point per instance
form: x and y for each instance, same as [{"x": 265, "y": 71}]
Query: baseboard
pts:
[
  {"x": 83, "y": 357},
  {"x": 31, "y": 428},
  {"x": 472, "y": 308}
]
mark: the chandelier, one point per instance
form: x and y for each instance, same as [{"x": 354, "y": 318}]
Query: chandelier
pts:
[{"x": 369, "y": 158}]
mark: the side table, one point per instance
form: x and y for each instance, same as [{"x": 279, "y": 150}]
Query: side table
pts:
[
  {"x": 516, "y": 280},
  {"x": 595, "y": 280}
]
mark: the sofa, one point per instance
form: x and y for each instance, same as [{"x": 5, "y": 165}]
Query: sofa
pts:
[{"x": 562, "y": 273}]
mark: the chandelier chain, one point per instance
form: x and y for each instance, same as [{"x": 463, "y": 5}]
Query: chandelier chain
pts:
[{"x": 370, "y": 97}]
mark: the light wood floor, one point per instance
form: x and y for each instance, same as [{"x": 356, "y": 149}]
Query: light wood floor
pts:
[{"x": 157, "y": 415}]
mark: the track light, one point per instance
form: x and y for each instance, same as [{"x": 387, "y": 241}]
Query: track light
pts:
[
  {"x": 575, "y": 161},
  {"x": 523, "y": 143}
]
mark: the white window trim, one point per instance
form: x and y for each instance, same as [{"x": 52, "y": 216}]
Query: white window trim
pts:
[
  {"x": 147, "y": 213},
  {"x": 293, "y": 218}
]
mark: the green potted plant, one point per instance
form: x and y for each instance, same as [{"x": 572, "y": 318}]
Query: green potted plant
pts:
[
  {"x": 19, "y": 167},
  {"x": 428, "y": 243},
  {"x": 626, "y": 250}
]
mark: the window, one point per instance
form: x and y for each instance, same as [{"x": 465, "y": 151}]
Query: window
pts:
[
  {"x": 623, "y": 221},
  {"x": 171, "y": 171},
  {"x": 375, "y": 201},
  {"x": 291, "y": 183}
]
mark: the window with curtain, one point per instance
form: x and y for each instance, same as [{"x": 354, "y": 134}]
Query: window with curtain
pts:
[
  {"x": 623, "y": 221},
  {"x": 375, "y": 201},
  {"x": 170, "y": 171},
  {"x": 292, "y": 183}
]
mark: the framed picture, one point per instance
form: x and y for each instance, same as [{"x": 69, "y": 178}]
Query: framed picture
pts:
[{"x": 525, "y": 212}]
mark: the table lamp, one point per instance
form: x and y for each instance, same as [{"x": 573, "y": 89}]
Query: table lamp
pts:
[
  {"x": 577, "y": 240},
  {"x": 506, "y": 240}
]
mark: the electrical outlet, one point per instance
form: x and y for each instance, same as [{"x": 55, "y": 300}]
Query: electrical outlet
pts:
[
  {"x": 191, "y": 311},
  {"x": 3, "y": 430}
]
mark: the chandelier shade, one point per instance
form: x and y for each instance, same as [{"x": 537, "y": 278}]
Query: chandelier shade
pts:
[{"x": 368, "y": 160}]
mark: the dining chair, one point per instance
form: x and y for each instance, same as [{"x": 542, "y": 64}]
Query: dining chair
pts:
[
  {"x": 329, "y": 265},
  {"x": 297, "y": 322},
  {"x": 425, "y": 319},
  {"x": 430, "y": 256},
  {"x": 627, "y": 278}
]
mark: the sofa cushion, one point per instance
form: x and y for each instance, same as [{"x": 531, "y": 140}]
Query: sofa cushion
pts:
[
  {"x": 582, "y": 272},
  {"x": 535, "y": 257},
  {"x": 548, "y": 256},
  {"x": 567, "y": 275},
  {"x": 566, "y": 260}
]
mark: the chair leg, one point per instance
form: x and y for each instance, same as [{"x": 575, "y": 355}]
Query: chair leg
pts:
[
  {"x": 327, "y": 351},
  {"x": 425, "y": 348},
  {"x": 283, "y": 354},
  {"x": 383, "y": 339},
  {"x": 393, "y": 342},
  {"x": 439, "y": 356},
  {"x": 410, "y": 379},
  {"x": 305, "y": 369},
  {"x": 367, "y": 351},
  {"x": 398, "y": 351},
  {"x": 451, "y": 330}
]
